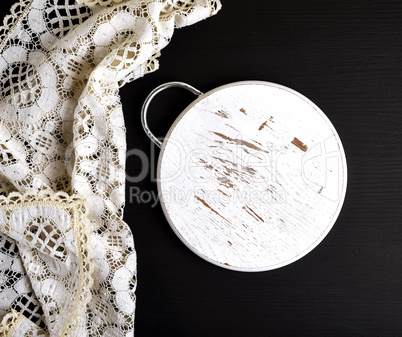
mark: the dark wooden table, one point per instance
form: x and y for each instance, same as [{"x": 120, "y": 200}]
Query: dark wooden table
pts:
[{"x": 346, "y": 56}]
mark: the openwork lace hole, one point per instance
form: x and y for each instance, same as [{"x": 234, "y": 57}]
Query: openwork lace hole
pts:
[
  {"x": 20, "y": 84},
  {"x": 62, "y": 15},
  {"x": 8, "y": 247},
  {"x": 30, "y": 308},
  {"x": 44, "y": 235}
]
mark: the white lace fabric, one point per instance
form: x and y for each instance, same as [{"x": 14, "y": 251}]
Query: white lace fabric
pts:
[{"x": 67, "y": 258}]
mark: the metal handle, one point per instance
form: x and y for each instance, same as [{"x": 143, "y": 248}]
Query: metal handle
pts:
[{"x": 148, "y": 100}]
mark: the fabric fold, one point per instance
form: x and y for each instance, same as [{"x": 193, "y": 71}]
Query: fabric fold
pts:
[
  {"x": 69, "y": 262},
  {"x": 53, "y": 239}
]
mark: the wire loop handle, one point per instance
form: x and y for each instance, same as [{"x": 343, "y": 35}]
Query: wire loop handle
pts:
[{"x": 148, "y": 100}]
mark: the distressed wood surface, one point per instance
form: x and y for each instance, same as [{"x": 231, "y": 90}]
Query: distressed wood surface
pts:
[
  {"x": 252, "y": 176},
  {"x": 346, "y": 56}
]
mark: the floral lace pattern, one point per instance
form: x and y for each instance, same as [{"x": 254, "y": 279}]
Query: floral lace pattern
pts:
[
  {"x": 91, "y": 3},
  {"x": 53, "y": 236},
  {"x": 68, "y": 264},
  {"x": 16, "y": 324}
]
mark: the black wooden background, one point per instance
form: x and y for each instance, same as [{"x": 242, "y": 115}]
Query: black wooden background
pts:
[{"x": 346, "y": 56}]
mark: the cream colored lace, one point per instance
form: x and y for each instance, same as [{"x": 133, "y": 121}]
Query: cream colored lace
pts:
[
  {"x": 92, "y": 3},
  {"x": 10, "y": 323},
  {"x": 48, "y": 237},
  {"x": 16, "y": 324},
  {"x": 68, "y": 263}
]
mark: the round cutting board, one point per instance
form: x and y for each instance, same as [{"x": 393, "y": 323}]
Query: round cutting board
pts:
[{"x": 252, "y": 176}]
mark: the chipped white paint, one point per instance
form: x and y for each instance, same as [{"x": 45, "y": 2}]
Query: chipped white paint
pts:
[{"x": 252, "y": 176}]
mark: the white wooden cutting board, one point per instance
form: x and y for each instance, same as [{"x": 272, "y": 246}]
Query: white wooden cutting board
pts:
[{"x": 252, "y": 176}]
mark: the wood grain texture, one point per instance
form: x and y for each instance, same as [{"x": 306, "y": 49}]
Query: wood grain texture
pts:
[
  {"x": 239, "y": 188},
  {"x": 346, "y": 56}
]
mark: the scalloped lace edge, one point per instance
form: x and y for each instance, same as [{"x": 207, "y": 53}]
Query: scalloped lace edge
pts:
[
  {"x": 81, "y": 239},
  {"x": 45, "y": 197},
  {"x": 93, "y": 3},
  {"x": 10, "y": 323},
  {"x": 11, "y": 20}
]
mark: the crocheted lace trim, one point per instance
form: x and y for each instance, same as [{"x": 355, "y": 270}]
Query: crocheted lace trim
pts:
[
  {"x": 92, "y": 3},
  {"x": 77, "y": 204},
  {"x": 10, "y": 323},
  {"x": 62, "y": 129},
  {"x": 18, "y": 11}
]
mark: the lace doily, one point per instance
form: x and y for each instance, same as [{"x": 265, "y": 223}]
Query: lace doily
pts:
[{"x": 67, "y": 258}]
